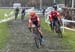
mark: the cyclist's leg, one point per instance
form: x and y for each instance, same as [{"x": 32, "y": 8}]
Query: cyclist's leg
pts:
[
  {"x": 41, "y": 37},
  {"x": 51, "y": 26},
  {"x": 54, "y": 25},
  {"x": 22, "y": 16},
  {"x": 16, "y": 14},
  {"x": 59, "y": 30},
  {"x": 41, "y": 34},
  {"x": 58, "y": 24},
  {"x": 39, "y": 29}
]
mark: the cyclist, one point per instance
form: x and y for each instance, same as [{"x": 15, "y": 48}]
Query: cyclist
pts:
[
  {"x": 16, "y": 12},
  {"x": 34, "y": 19},
  {"x": 22, "y": 14},
  {"x": 55, "y": 17}
]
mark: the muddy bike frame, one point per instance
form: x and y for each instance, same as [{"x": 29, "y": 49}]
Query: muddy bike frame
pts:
[
  {"x": 37, "y": 36},
  {"x": 58, "y": 29}
]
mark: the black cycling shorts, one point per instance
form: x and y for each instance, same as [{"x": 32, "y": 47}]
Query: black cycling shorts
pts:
[{"x": 36, "y": 23}]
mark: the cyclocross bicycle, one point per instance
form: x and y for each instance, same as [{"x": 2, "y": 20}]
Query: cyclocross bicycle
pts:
[{"x": 37, "y": 37}]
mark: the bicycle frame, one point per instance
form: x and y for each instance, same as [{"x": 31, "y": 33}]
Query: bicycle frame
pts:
[
  {"x": 37, "y": 36},
  {"x": 58, "y": 30}
]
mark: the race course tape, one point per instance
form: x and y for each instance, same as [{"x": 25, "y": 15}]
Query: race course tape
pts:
[{"x": 5, "y": 20}]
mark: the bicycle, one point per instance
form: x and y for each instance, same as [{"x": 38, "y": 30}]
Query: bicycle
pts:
[
  {"x": 58, "y": 29},
  {"x": 37, "y": 37}
]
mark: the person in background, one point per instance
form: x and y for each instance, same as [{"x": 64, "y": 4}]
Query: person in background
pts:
[
  {"x": 43, "y": 12},
  {"x": 22, "y": 14},
  {"x": 16, "y": 12}
]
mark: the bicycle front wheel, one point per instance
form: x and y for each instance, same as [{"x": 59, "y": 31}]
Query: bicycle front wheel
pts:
[{"x": 37, "y": 42}]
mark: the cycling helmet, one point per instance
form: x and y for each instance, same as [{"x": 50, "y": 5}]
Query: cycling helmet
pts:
[
  {"x": 55, "y": 6},
  {"x": 54, "y": 3},
  {"x": 32, "y": 13}
]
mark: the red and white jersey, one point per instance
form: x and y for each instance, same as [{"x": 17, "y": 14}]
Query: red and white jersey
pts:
[
  {"x": 34, "y": 18},
  {"x": 53, "y": 14}
]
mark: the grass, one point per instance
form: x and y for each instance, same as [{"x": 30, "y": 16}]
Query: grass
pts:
[
  {"x": 69, "y": 36},
  {"x": 3, "y": 12},
  {"x": 4, "y": 34}
]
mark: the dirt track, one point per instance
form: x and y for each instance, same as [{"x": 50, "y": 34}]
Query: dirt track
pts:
[{"x": 21, "y": 40}]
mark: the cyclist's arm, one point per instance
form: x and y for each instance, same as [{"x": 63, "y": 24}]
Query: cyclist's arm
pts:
[
  {"x": 59, "y": 18},
  {"x": 39, "y": 22},
  {"x": 50, "y": 18},
  {"x": 29, "y": 22}
]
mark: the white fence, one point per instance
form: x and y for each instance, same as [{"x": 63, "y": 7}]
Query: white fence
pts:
[
  {"x": 64, "y": 21},
  {"x": 10, "y": 15}
]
